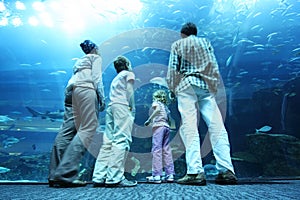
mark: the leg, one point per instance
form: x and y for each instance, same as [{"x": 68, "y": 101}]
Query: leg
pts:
[
  {"x": 123, "y": 122},
  {"x": 100, "y": 169},
  {"x": 167, "y": 153},
  {"x": 86, "y": 121},
  {"x": 63, "y": 139},
  {"x": 217, "y": 132},
  {"x": 157, "y": 139},
  {"x": 189, "y": 130}
]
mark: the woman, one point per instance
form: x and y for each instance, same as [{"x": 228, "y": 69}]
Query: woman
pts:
[{"x": 87, "y": 94}]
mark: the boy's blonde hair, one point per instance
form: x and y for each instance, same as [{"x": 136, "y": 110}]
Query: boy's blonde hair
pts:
[{"x": 160, "y": 95}]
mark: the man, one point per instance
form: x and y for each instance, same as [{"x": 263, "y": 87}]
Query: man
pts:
[{"x": 193, "y": 76}]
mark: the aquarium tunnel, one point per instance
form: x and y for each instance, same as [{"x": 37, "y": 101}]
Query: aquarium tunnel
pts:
[{"x": 257, "y": 47}]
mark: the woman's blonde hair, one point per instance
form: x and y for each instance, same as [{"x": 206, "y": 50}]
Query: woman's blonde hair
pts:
[{"x": 160, "y": 95}]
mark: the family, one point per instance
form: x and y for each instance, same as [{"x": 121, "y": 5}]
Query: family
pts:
[{"x": 193, "y": 76}]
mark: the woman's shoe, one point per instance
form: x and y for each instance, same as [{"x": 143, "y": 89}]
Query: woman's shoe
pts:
[{"x": 65, "y": 184}]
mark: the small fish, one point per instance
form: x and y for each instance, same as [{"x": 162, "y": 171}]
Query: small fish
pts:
[
  {"x": 228, "y": 61},
  {"x": 263, "y": 129},
  {"x": 176, "y": 11},
  {"x": 5, "y": 119},
  {"x": 295, "y": 50},
  {"x": 25, "y": 65},
  {"x": 292, "y": 94},
  {"x": 250, "y": 53},
  {"x": 4, "y": 170},
  {"x": 257, "y": 14},
  {"x": 58, "y": 72},
  {"x": 243, "y": 73},
  {"x": 10, "y": 141},
  {"x": 44, "y": 41},
  {"x": 255, "y": 27}
]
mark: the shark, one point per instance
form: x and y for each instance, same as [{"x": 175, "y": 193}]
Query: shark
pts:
[{"x": 57, "y": 115}]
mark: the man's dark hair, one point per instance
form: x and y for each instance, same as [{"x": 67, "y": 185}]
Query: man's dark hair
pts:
[
  {"x": 121, "y": 63},
  {"x": 189, "y": 29}
]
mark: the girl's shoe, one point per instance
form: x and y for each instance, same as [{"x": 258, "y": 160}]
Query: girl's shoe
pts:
[
  {"x": 153, "y": 179},
  {"x": 170, "y": 178}
]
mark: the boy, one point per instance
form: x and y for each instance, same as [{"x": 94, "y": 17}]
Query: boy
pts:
[{"x": 110, "y": 163}]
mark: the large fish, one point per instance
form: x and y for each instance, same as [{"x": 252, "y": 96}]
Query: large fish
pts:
[
  {"x": 47, "y": 115},
  {"x": 160, "y": 81}
]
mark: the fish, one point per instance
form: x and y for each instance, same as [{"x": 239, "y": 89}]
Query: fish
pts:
[
  {"x": 8, "y": 142},
  {"x": 250, "y": 53},
  {"x": 45, "y": 90},
  {"x": 25, "y": 65},
  {"x": 4, "y": 170},
  {"x": 44, "y": 41},
  {"x": 5, "y": 119},
  {"x": 160, "y": 81},
  {"x": 137, "y": 166},
  {"x": 47, "y": 115},
  {"x": 295, "y": 50},
  {"x": 58, "y": 72},
  {"x": 257, "y": 14},
  {"x": 228, "y": 61},
  {"x": 210, "y": 170},
  {"x": 263, "y": 129}
]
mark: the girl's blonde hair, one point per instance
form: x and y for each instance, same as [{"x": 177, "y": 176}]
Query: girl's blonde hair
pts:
[{"x": 160, "y": 95}]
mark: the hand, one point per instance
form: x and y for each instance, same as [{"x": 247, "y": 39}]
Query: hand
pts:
[
  {"x": 101, "y": 106},
  {"x": 133, "y": 113},
  {"x": 172, "y": 96},
  {"x": 147, "y": 123}
]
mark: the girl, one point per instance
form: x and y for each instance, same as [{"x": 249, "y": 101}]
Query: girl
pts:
[{"x": 161, "y": 151}]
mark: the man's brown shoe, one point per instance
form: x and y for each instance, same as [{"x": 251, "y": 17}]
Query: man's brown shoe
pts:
[
  {"x": 226, "y": 178},
  {"x": 193, "y": 179}
]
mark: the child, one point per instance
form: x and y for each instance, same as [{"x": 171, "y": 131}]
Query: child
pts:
[
  {"x": 161, "y": 151},
  {"x": 110, "y": 164}
]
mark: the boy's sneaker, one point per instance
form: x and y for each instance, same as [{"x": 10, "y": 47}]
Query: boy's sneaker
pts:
[
  {"x": 226, "y": 178},
  {"x": 153, "y": 179},
  {"x": 193, "y": 179},
  {"x": 98, "y": 184},
  {"x": 123, "y": 183},
  {"x": 169, "y": 178}
]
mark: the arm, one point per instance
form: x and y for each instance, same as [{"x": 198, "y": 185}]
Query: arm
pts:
[
  {"x": 214, "y": 72},
  {"x": 97, "y": 80},
  {"x": 130, "y": 95},
  {"x": 173, "y": 77},
  {"x": 154, "y": 113}
]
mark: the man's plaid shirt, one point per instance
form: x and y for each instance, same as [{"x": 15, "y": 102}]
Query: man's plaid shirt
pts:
[{"x": 192, "y": 62}]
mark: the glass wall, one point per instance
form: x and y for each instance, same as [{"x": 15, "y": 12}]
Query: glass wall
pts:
[{"x": 256, "y": 43}]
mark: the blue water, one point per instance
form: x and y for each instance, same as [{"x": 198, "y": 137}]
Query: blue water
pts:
[{"x": 256, "y": 44}]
